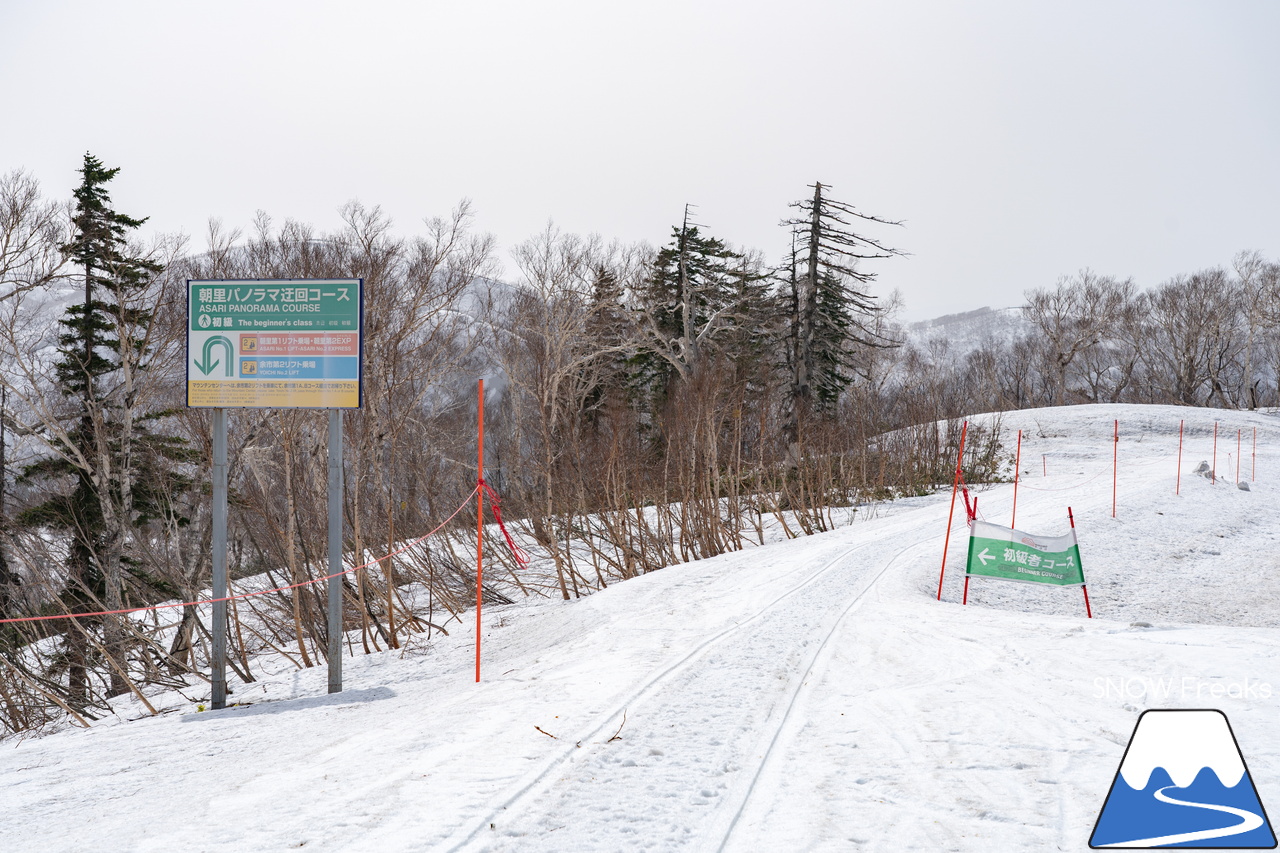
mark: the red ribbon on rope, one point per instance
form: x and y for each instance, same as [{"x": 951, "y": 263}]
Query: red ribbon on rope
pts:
[
  {"x": 970, "y": 510},
  {"x": 495, "y": 504}
]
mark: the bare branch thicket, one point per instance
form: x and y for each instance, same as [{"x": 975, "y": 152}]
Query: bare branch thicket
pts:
[
  {"x": 1193, "y": 320},
  {"x": 554, "y": 353},
  {"x": 32, "y": 232},
  {"x": 1073, "y": 319}
]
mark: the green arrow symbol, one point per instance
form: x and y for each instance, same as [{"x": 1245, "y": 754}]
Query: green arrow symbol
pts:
[{"x": 209, "y": 362}]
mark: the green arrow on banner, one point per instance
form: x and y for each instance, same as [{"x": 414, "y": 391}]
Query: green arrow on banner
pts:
[{"x": 209, "y": 363}]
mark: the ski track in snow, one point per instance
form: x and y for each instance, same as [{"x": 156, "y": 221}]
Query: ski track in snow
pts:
[
  {"x": 757, "y": 666},
  {"x": 809, "y": 695}
]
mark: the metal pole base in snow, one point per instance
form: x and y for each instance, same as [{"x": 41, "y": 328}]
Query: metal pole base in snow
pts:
[{"x": 335, "y": 551}]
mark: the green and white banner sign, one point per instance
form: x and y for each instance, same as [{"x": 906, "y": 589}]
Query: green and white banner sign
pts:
[{"x": 1011, "y": 555}]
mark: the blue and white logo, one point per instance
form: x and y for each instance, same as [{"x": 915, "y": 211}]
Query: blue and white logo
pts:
[{"x": 1183, "y": 783}]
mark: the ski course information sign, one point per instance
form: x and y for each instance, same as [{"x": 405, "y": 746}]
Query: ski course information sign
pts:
[
  {"x": 274, "y": 344},
  {"x": 1012, "y": 555}
]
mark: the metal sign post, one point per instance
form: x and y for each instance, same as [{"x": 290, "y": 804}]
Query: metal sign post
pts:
[
  {"x": 219, "y": 662},
  {"x": 335, "y": 551},
  {"x": 292, "y": 344}
]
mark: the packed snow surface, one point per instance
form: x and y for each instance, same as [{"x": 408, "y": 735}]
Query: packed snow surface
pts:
[{"x": 805, "y": 695}]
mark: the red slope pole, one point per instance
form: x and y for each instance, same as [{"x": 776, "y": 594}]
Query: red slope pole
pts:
[
  {"x": 1017, "y": 470},
  {"x": 1213, "y": 472},
  {"x": 479, "y": 525},
  {"x": 965, "y": 599},
  {"x": 1115, "y": 461},
  {"x": 1238, "y": 456},
  {"x": 955, "y": 485},
  {"x": 1254, "y": 474},
  {"x": 1087, "y": 609},
  {"x": 1177, "y": 488}
]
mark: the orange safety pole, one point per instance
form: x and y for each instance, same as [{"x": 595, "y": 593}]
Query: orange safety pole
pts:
[
  {"x": 1017, "y": 470},
  {"x": 955, "y": 485},
  {"x": 1045, "y": 463},
  {"x": 1213, "y": 472},
  {"x": 479, "y": 524},
  {"x": 1177, "y": 487},
  {"x": 1115, "y": 462},
  {"x": 1238, "y": 456},
  {"x": 965, "y": 598}
]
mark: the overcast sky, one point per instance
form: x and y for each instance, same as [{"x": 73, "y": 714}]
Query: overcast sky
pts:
[{"x": 1019, "y": 141}]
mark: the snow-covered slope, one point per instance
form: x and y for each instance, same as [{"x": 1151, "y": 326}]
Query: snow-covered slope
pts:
[{"x": 807, "y": 695}]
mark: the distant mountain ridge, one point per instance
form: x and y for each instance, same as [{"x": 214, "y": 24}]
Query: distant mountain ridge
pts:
[{"x": 968, "y": 330}]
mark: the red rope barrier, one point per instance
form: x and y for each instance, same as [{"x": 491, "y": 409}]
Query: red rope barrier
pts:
[
  {"x": 243, "y": 595},
  {"x": 1066, "y": 488}
]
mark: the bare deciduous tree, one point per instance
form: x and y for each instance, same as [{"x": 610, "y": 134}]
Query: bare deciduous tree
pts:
[
  {"x": 1072, "y": 318},
  {"x": 32, "y": 233}
]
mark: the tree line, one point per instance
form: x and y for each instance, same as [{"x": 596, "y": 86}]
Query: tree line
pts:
[
  {"x": 1206, "y": 338},
  {"x": 647, "y": 405}
]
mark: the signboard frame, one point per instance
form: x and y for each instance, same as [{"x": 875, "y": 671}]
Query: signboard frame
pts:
[
  {"x": 306, "y": 375},
  {"x": 1022, "y": 547},
  {"x": 317, "y": 362},
  {"x": 1021, "y": 557}
]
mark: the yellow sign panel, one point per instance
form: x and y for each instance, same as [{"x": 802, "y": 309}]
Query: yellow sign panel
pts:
[{"x": 232, "y": 393}]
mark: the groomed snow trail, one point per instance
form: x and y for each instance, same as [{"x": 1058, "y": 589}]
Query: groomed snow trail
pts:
[{"x": 723, "y": 702}]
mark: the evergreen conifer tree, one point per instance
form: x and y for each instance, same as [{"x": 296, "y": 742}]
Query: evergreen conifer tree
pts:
[
  {"x": 114, "y": 464},
  {"x": 690, "y": 305},
  {"x": 831, "y": 308},
  {"x": 607, "y": 325}
]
